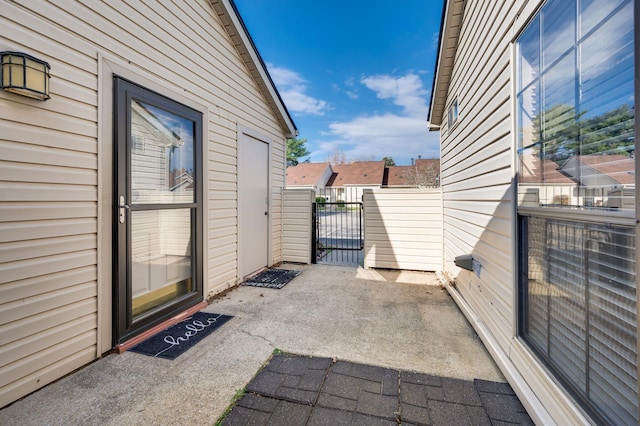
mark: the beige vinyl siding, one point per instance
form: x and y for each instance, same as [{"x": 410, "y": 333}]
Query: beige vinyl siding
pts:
[
  {"x": 297, "y": 225},
  {"x": 48, "y": 218},
  {"x": 478, "y": 193},
  {"x": 477, "y": 165},
  {"x": 403, "y": 229},
  {"x": 49, "y": 165},
  {"x": 278, "y": 183}
]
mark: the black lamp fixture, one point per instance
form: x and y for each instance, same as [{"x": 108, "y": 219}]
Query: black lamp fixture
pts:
[{"x": 25, "y": 75}]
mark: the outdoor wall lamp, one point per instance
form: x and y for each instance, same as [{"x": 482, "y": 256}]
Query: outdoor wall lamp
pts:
[{"x": 25, "y": 75}]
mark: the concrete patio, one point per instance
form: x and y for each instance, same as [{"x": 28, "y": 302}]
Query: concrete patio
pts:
[{"x": 392, "y": 319}]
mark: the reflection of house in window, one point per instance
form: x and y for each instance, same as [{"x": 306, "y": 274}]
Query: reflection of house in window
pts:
[
  {"x": 150, "y": 165},
  {"x": 604, "y": 180},
  {"x": 137, "y": 143},
  {"x": 562, "y": 200},
  {"x": 161, "y": 246},
  {"x": 541, "y": 183},
  {"x": 587, "y": 180},
  {"x": 180, "y": 181}
]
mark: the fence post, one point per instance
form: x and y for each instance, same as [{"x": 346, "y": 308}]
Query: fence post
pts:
[{"x": 314, "y": 229}]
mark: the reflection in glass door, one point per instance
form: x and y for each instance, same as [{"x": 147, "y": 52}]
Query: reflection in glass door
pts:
[{"x": 158, "y": 208}]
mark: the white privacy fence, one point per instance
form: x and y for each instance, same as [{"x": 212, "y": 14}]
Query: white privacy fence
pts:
[
  {"x": 402, "y": 228},
  {"x": 297, "y": 225}
]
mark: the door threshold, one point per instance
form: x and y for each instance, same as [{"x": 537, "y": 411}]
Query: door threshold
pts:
[{"x": 123, "y": 347}]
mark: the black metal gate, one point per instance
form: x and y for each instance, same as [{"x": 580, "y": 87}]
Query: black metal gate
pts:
[{"x": 339, "y": 238}]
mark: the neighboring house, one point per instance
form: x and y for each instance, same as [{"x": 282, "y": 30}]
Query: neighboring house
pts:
[
  {"x": 309, "y": 175},
  {"x": 550, "y": 290},
  {"x": 421, "y": 174},
  {"x": 609, "y": 180},
  {"x": 181, "y": 181},
  {"x": 349, "y": 181},
  {"x": 149, "y": 181},
  {"x": 542, "y": 183}
]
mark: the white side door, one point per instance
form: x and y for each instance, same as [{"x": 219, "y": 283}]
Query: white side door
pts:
[{"x": 253, "y": 203}]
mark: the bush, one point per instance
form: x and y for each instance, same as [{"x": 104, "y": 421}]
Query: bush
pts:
[
  {"x": 320, "y": 201},
  {"x": 340, "y": 205}
]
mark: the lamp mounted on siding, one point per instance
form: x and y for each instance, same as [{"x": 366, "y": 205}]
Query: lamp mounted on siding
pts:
[{"x": 25, "y": 75}]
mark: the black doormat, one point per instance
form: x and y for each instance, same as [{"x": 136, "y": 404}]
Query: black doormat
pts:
[
  {"x": 272, "y": 278},
  {"x": 175, "y": 340}
]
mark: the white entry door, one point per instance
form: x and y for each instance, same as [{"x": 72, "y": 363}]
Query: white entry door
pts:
[{"x": 253, "y": 203}]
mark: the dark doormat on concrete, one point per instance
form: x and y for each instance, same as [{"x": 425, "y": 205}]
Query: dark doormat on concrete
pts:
[
  {"x": 272, "y": 278},
  {"x": 177, "y": 339}
]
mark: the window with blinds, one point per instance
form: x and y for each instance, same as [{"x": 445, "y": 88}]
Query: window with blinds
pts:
[
  {"x": 581, "y": 309},
  {"x": 576, "y": 200}
]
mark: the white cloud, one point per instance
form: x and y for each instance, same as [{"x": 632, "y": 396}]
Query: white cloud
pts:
[
  {"x": 435, "y": 40},
  {"x": 382, "y": 135},
  {"x": 406, "y": 92},
  {"x": 402, "y": 136},
  {"x": 292, "y": 88},
  {"x": 351, "y": 92}
]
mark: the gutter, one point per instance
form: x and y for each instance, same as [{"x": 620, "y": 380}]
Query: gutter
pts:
[
  {"x": 452, "y": 15},
  {"x": 435, "y": 74}
]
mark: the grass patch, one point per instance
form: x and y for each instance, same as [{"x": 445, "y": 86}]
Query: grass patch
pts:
[{"x": 239, "y": 394}]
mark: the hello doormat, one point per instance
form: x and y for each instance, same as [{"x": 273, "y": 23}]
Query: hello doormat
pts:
[
  {"x": 177, "y": 339},
  {"x": 272, "y": 278}
]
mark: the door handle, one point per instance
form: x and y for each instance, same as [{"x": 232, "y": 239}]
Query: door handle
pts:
[{"x": 121, "y": 208}]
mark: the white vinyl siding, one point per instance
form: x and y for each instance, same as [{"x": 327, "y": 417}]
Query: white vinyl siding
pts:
[{"x": 49, "y": 166}]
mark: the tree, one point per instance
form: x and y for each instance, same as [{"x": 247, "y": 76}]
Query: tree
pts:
[
  {"x": 295, "y": 149},
  {"x": 424, "y": 173},
  {"x": 388, "y": 161},
  {"x": 366, "y": 157},
  {"x": 338, "y": 157},
  {"x": 562, "y": 133}
]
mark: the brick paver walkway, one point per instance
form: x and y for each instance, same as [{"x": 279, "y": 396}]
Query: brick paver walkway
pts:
[{"x": 297, "y": 390}]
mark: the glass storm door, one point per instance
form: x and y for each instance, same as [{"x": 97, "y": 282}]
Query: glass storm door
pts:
[{"x": 158, "y": 208}]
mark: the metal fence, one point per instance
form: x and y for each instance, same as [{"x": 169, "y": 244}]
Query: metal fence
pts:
[{"x": 339, "y": 233}]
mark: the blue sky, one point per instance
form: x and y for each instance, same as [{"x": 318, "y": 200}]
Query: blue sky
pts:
[{"x": 355, "y": 75}]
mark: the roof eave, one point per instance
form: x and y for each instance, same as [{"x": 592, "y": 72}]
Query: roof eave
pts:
[
  {"x": 452, "y": 13},
  {"x": 235, "y": 27}
]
